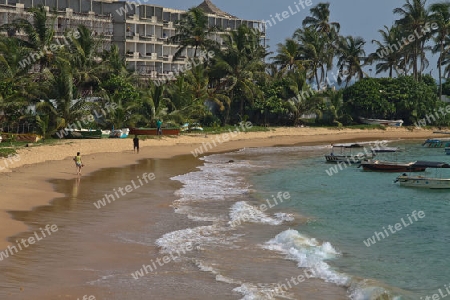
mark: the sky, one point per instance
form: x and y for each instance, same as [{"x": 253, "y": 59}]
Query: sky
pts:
[{"x": 357, "y": 17}]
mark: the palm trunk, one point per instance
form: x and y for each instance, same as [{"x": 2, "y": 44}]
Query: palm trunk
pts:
[
  {"x": 415, "y": 63},
  {"x": 440, "y": 69},
  {"x": 226, "y": 118},
  {"x": 416, "y": 60},
  {"x": 317, "y": 79}
]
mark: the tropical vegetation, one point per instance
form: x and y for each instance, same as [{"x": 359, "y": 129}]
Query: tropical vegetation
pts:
[{"x": 47, "y": 88}]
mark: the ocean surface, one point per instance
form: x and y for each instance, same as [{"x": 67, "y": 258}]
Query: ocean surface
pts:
[
  {"x": 258, "y": 223},
  {"x": 344, "y": 236}
]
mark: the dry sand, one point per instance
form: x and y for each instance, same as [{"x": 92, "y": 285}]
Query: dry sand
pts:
[{"x": 25, "y": 183}]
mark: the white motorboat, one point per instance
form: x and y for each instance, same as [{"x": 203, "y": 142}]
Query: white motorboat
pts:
[{"x": 426, "y": 181}]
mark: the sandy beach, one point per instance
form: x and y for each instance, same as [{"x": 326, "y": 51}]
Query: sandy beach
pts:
[
  {"x": 25, "y": 182},
  {"x": 43, "y": 175}
]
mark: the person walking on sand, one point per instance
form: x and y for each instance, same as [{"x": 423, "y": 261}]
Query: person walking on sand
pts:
[
  {"x": 78, "y": 163},
  {"x": 158, "y": 127},
  {"x": 136, "y": 144}
]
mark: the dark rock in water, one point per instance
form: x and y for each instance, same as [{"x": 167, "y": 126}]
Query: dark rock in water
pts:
[{"x": 230, "y": 161}]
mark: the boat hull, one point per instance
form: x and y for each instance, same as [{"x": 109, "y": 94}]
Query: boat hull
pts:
[
  {"x": 153, "y": 131},
  {"x": 393, "y": 167},
  {"x": 119, "y": 133},
  {"x": 94, "y": 134},
  {"x": 433, "y": 143},
  {"x": 348, "y": 159},
  {"x": 424, "y": 182},
  {"x": 396, "y": 123}
]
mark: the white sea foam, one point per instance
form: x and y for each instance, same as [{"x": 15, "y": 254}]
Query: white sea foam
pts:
[
  {"x": 216, "y": 181},
  {"x": 310, "y": 254},
  {"x": 249, "y": 290},
  {"x": 242, "y": 212},
  {"x": 253, "y": 292},
  {"x": 197, "y": 237},
  {"x": 369, "y": 289}
]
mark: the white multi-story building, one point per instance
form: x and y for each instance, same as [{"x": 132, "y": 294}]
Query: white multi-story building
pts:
[{"x": 140, "y": 31}]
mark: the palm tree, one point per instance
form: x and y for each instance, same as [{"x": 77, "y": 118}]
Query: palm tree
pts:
[
  {"x": 206, "y": 95},
  {"x": 414, "y": 17},
  {"x": 39, "y": 35},
  {"x": 313, "y": 48},
  {"x": 446, "y": 58},
  {"x": 388, "y": 53},
  {"x": 289, "y": 57},
  {"x": 440, "y": 14},
  {"x": 320, "y": 20},
  {"x": 153, "y": 105},
  {"x": 114, "y": 62},
  {"x": 329, "y": 33},
  {"x": 11, "y": 54},
  {"x": 83, "y": 55},
  {"x": 301, "y": 96},
  {"x": 238, "y": 65},
  {"x": 350, "y": 54},
  {"x": 60, "y": 104},
  {"x": 18, "y": 88},
  {"x": 193, "y": 31}
]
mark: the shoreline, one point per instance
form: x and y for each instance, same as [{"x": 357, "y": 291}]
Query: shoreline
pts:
[{"x": 26, "y": 183}]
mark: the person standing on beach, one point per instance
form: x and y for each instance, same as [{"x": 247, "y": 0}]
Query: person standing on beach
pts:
[
  {"x": 78, "y": 163},
  {"x": 136, "y": 144},
  {"x": 158, "y": 127}
]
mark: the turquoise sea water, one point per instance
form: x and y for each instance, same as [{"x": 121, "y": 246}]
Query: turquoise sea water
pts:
[{"x": 349, "y": 207}]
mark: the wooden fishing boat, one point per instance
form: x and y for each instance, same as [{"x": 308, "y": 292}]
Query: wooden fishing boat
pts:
[
  {"x": 346, "y": 155},
  {"x": 396, "y": 123},
  {"x": 386, "y": 149},
  {"x": 84, "y": 134},
  {"x": 153, "y": 131},
  {"x": 434, "y": 143},
  {"x": 390, "y": 166},
  {"x": 426, "y": 181}
]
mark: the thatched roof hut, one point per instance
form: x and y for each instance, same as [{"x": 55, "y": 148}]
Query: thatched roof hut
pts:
[{"x": 209, "y": 8}]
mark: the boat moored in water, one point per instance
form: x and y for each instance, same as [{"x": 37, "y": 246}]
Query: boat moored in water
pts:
[
  {"x": 386, "y": 149},
  {"x": 346, "y": 155},
  {"x": 390, "y": 166},
  {"x": 426, "y": 181},
  {"x": 434, "y": 143}
]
